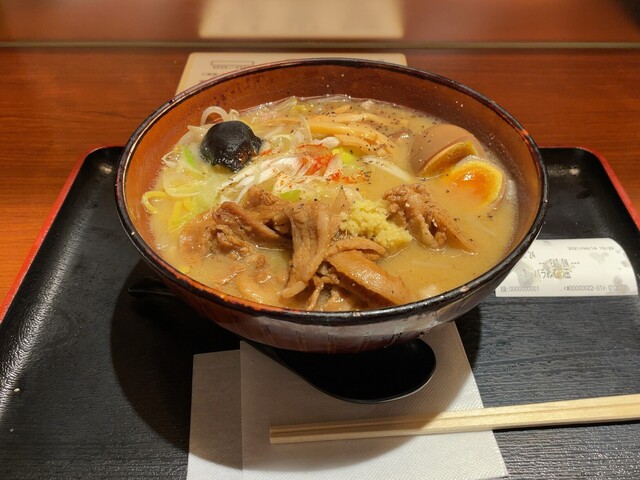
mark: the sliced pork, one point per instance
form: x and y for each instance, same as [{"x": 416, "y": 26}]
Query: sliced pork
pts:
[
  {"x": 313, "y": 227},
  {"x": 368, "y": 280}
]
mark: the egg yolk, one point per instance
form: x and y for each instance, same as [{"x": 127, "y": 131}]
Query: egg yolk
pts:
[{"x": 481, "y": 179}]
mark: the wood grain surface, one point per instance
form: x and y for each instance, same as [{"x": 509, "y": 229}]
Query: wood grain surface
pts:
[{"x": 420, "y": 21}]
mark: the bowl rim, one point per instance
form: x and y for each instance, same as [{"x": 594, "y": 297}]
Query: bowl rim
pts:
[{"x": 312, "y": 317}]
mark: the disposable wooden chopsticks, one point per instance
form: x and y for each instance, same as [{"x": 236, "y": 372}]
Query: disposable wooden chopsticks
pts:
[{"x": 569, "y": 412}]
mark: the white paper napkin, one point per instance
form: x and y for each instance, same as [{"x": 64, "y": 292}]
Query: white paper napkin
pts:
[
  {"x": 238, "y": 395},
  {"x": 215, "y": 436}
]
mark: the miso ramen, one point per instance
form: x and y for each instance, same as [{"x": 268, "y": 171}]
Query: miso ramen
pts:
[{"x": 330, "y": 203}]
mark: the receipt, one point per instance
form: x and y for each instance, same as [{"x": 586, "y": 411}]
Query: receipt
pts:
[{"x": 571, "y": 268}]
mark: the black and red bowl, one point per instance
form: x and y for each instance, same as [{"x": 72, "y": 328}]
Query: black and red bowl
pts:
[{"x": 333, "y": 332}]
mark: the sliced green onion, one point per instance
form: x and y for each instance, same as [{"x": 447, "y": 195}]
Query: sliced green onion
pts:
[
  {"x": 291, "y": 195},
  {"x": 347, "y": 157},
  {"x": 188, "y": 156}
]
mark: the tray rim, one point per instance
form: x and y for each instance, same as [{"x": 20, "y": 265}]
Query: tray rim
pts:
[
  {"x": 615, "y": 180},
  {"x": 46, "y": 226},
  {"x": 75, "y": 170}
]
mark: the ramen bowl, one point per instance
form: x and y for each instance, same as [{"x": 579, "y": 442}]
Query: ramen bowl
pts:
[{"x": 332, "y": 332}]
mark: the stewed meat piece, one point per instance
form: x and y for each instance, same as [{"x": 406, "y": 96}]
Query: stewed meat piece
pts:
[
  {"x": 269, "y": 209},
  {"x": 313, "y": 227},
  {"x": 368, "y": 280},
  {"x": 231, "y": 228},
  {"x": 334, "y": 271},
  {"x": 371, "y": 250},
  {"x": 412, "y": 206}
]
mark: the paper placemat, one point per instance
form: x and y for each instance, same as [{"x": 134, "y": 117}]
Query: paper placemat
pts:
[
  {"x": 202, "y": 66},
  {"x": 237, "y": 395}
]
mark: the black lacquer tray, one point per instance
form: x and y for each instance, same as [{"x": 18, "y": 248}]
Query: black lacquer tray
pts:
[{"x": 95, "y": 383}]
